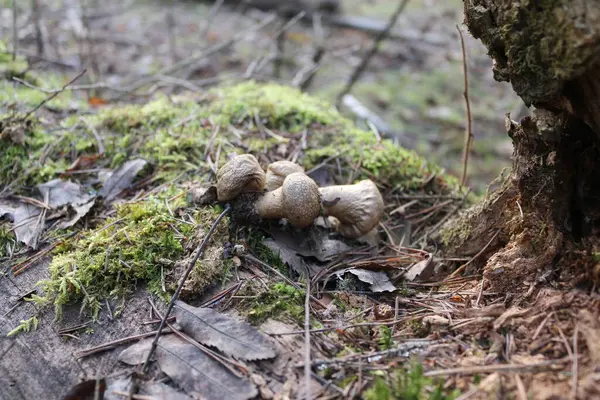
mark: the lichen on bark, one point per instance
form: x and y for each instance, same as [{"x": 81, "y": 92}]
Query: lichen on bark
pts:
[{"x": 538, "y": 46}]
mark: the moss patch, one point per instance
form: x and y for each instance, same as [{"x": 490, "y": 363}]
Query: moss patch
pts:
[
  {"x": 537, "y": 45},
  {"x": 280, "y": 300},
  {"x": 10, "y": 68},
  {"x": 131, "y": 247},
  {"x": 328, "y": 135},
  {"x": 407, "y": 384},
  {"x": 145, "y": 241},
  {"x": 280, "y": 107}
]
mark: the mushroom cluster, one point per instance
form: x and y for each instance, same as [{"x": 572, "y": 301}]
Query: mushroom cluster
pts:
[{"x": 285, "y": 191}]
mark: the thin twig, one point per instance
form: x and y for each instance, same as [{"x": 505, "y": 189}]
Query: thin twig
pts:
[
  {"x": 53, "y": 95},
  {"x": 462, "y": 267},
  {"x": 170, "y": 22},
  {"x": 279, "y": 54},
  {"x": 211, "y": 15},
  {"x": 371, "y": 52},
  {"x": 97, "y": 85},
  {"x": 320, "y": 34},
  {"x": 342, "y": 328},
  {"x": 480, "y": 292},
  {"x": 506, "y": 368},
  {"x": 37, "y": 16},
  {"x": 541, "y": 326},
  {"x": 403, "y": 350},
  {"x": 183, "y": 279},
  {"x": 199, "y": 56},
  {"x": 575, "y": 369},
  {"x": 20, "y": 267},
  {"x": 520, "y": 388},
  {"x": 444, "y": 219},
  {"x": 307, "y": 367},
  {"x": 15, "y": 33},
  {"x": 224, "y": 361},
  {"x": 469, "y": 129},
  {"x": 114, "y": 343}
]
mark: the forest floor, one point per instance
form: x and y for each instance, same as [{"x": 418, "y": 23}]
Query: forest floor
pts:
[{"x": 133, "y": 156}]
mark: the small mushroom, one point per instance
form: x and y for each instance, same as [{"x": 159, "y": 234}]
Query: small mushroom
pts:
[
  {"x": 241, "y": 174},
  {"x": 297, "y": 200},
  {"x": 358, "y": 207},
  {"x": 278, "y": 171}
]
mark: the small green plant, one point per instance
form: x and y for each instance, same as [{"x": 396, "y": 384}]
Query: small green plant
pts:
[
  {"x": 280, "y": 299},
  {"x": 408, "y": 384},
  {"x": 385, "y": 338},
  {"x": 26, "y": 325}
]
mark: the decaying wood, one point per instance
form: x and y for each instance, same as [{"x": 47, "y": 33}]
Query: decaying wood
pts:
[
  {"x": 42, "y": 364},
  {"x": 549, "y": 207}
]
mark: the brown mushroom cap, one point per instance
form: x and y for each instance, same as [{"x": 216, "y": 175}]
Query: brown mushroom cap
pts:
[
  {"x": 297, "y": 200},
  {"x": 358, "y": 207},
  {"x": 278, "y": 171},
  {"x": 241, "y": 174}
]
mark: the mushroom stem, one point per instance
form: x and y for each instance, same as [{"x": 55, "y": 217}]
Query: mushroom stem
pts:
[
  {"x": 358, "y": 207},
  {"x": 297, "y": 200}
]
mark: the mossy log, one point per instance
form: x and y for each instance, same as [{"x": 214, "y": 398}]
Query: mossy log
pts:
[
  {"x": 546, "y": 217},
  {"x": 113, "y": 263}
]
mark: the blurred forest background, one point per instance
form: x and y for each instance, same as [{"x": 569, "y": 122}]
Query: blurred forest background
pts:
[{"x": 412, "y": 87}]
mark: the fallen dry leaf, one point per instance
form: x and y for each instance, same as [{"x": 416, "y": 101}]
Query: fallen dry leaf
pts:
[
  {"x": 378, "y": 280},
  {"x": 61, "y": 193},
  {"x": 231, "y": 336},
  {"x": 508, "y": 315},
  {"x": 298, "y": 251},
  {"x": 95, "y": 101},
  {"x": 421, "y": 271},
  {"x": 191, "y": 369},
  {"x": 83, "y": 162},
  {"x": 80, "y": 211},
  {"x": 116, "y": 388},
  {"x": 121, "y": 179},
  {"x": 291, "y": 257},
  {"x": 25, "y": 221}
]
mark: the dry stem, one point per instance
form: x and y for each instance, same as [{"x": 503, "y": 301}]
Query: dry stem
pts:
[
  {"x": 371, "y": 52},
  {"x": 469, "y": 130},
  {"x": 183, "y": 279}
]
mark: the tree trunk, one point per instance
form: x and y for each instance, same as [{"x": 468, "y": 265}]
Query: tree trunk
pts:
[{"x": 545, "y": 219}]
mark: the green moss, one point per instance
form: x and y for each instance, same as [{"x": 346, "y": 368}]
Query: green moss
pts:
[
  {"x": 25, "y": 325},
  {"x": 281, "y": 299},
  {"x": 290, "y": 110},
  {"x": 108, "y": 261},
  {"x": 385, "y": 338},
  {"x": 172, "y": 136},
  {"x": 456, "y": 231},
  {"x": 10, "y": 68},
  {"x": 142, "y": 243},
  {"x": 22, "y": 162},
  {"x": 282, "y": 107},
  {"x": 537, "y": 45},
  {"x": 255, "y": 243},
  {"x": 407, "y": 384},
  {"x": 7, "y": 239},
  {"x": 382, "y": 161}
]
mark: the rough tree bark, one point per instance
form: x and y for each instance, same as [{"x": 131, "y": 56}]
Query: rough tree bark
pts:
[{"x": 545, "y": 219}]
